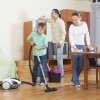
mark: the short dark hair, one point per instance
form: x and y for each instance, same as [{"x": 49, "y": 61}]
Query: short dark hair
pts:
[
  {"x": 42, "y": 25},
  {"x": 57, "y": 12},
  {"x": 76, "y": 14}
]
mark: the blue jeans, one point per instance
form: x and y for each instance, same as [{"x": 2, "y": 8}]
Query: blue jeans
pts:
[
  {"x": 77, "y": 65},
  {"x": 59, "y": 56},
  {"x": 36, "y": 68}
]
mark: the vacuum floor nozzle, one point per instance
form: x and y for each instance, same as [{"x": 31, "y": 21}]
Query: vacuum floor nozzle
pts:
[{"x": 50, "y": 90}]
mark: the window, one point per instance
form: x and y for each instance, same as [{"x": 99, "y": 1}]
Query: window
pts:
[
  {"x": 98, "y": 0},
  {"x": 93, "y": 1}
]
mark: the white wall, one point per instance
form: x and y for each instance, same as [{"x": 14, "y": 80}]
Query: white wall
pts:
[
  {"x": 95, "y": 26},
  {"x": 14, "y": 12}
]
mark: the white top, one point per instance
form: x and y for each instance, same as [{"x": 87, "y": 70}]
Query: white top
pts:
[
  {"x": 77, "y": 35},
  {"x": 58, "y": 29}
]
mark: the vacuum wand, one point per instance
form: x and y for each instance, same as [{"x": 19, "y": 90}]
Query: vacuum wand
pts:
[{"x": 48, "y": 89}]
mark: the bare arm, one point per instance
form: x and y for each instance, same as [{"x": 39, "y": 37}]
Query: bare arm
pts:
[
  {"x": 31, "y": 42},
  {"x": 40, "y": 48},
  {"x": 49, "y": 20}
]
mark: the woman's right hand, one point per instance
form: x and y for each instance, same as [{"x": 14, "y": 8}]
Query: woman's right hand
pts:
[
  {"x": 41, "y": 19},
  {"x": 75, "y": 49}
]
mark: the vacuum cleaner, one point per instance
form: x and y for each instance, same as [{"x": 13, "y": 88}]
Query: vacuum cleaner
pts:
[
  {"x": 48, "y": 89},
  {"x": 13, "y": 83},
  {"x": 10, "y": 83}
]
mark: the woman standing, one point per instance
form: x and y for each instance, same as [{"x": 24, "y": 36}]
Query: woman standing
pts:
[
  {"x": 78, "y": 31},
  {"x": 58, "y": 36}
]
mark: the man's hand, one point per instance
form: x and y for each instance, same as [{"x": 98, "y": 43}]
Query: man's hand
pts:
[{"x": 59, "y": 45}]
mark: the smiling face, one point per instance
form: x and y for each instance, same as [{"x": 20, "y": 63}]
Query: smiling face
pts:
[
  {"x": 76, "y": 20},
  {"x": 54, "y": 15}
]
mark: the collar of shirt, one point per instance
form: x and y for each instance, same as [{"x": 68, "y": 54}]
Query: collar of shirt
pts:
[
  {"x": 56, "y": 20},
  {"x": 38, "y": 35}
]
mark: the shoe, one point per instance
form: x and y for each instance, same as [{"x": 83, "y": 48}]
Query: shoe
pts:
[
  {"x": 37, "y": 83},
  {"x": 33, "y": 84},
  {"x": 42, "y": 84},
  {"x": 72, "y": 83},
  {"x": 78, "y": 86},
  {"x": 62, "y": 76}
]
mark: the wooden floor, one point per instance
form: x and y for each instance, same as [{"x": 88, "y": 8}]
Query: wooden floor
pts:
[{"x": 64, "y": 92}]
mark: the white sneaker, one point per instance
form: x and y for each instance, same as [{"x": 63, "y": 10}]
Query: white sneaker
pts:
[
  {"x": 78, "y": 86},
  {"x": 72, "y": 83},
  {"x": 42, "y": 84},
  {"x": 62, "y": 76}
]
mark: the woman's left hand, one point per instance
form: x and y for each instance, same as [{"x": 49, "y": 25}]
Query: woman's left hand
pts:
[
  {"x": 59, "y": 45},
  {"x": 90, "y": 47}
]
